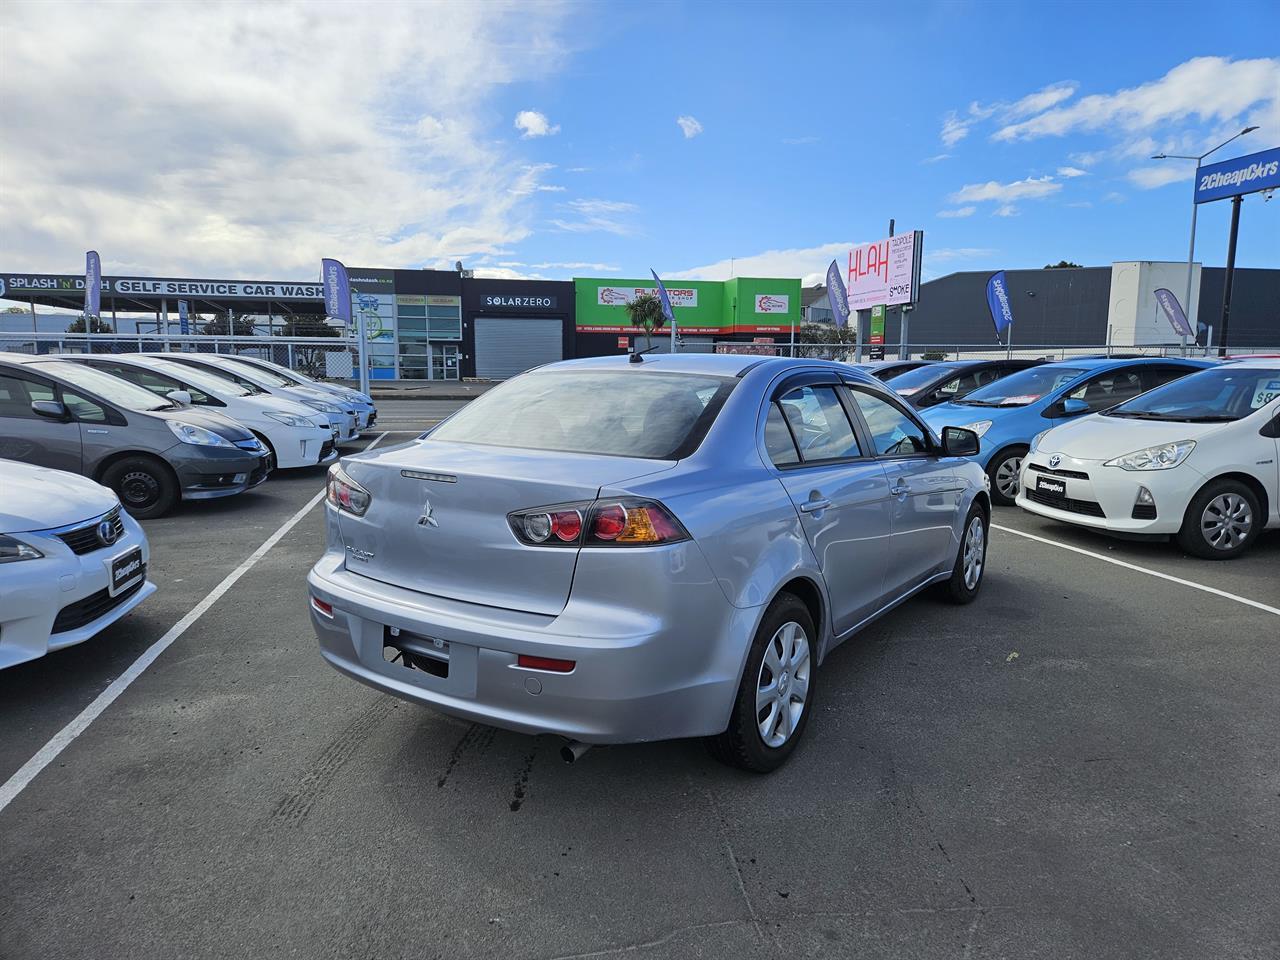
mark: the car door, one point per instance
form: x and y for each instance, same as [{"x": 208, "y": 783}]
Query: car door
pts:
[
  {"x": 841, "y": 494},
  {"x": 27, "y": 436},
  {"x": 1103, "y": 390},
  {"x": 925, "y": 487}
]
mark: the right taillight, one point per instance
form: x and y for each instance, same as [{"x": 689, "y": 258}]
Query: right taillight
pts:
[{"x": 625, "y": 522}]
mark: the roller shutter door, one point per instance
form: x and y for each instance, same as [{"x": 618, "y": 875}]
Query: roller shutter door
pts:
[{"x": 506, "y": 346}]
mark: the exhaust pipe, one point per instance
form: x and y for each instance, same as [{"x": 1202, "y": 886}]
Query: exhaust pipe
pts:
[{"x": 573, "y": 750}]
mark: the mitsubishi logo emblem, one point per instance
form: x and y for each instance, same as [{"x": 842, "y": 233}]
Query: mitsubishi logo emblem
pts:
[
  {"x": 427, "y": 520},
  {"x": 1055, "y": 460}
]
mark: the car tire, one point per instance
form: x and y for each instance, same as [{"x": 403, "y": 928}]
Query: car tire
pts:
[
  {"x": 146, "y": 486},
  {"x": 1005, "y": 464},
  {"x": 1221, "y": 521},
  {"x": 760, "y": 705},
  {"x": 971, "y": 558}
]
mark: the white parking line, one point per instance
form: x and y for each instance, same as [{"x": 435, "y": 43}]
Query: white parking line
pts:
[
  {"x": 1154, "y": 573},
  {"x": 62, "y": 739}
]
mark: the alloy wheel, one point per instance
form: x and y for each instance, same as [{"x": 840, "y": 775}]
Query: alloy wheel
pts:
[
  {"x": 1007, "y": 476},
  {"x": 1226, "y": 521},
  {"x": 975, "y": 542},
  {"x": 782, "y": 686}
]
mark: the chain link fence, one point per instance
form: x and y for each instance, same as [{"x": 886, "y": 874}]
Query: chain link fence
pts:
[
  {"x": 851, "y": 353},
  {"x": 324, "y": 358}
]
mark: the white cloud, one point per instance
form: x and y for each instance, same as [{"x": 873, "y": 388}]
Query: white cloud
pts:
[
  {"x": 1210, "y": 89},
  {"x": 1032, "y": 188},
  {"x": 808, "y": 263},
  {"x": 799, "y": 141},
  {"x": 597, "y": 216},
  {"x": 531, "y": 124},
  {"x": 1005, "y": 210},
  {"x": 936, "y": 158},
  {"x": 1050, "y": 96},
  {"x": 958, "y": 213},
  {"x": 690, "y": 126},
  {"x": 1148, "y": 178},
  {"x": 954, "y": 129},
  {"x": 1070, "y": 172},
  {"x": 579, "y": 265},
  {"x": 255, "y": 158}
]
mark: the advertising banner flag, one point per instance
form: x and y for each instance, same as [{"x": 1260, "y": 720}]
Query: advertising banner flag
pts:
[
  {"x": 1172, "y": 310},
  {"x": 337, "y": 290},
  {"x": 998, "y": 302},
  {"x": 837, "y": 295},
  {"x": 92, "y": 286},
  {"x": 184, "y": 317},
  {"x": 666, "y": 307}
]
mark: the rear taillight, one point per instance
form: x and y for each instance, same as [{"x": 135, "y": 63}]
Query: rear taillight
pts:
[
  {"x": 322, "y": 607},
  {"x": 345, "y": 494},
  {"x": 550, "y": 664},
  {"x": 627, "y": 522}
]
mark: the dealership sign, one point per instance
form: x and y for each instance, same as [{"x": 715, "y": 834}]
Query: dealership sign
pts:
[
  {"x": 153, "y": 287},
  {"x": 773, "y": 303},
  {"x": 621, "y": 296},
  {"x": 537, "y": 303},
  {"x": 1233, "y": 178},
  {"x": 886, "y": 272}
]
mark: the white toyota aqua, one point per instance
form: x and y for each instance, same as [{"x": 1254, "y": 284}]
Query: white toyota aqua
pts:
[
  {"x": 1195, "y": 459},
  {"x": 71, "y": 561}
]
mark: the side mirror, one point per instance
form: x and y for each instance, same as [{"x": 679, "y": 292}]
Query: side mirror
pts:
[
  {"x": 959, "y": 442},
  {"x": 180, "y": 397},
  {"x": 1071, "y": 407},
  {"x": 49, "y": 408}
]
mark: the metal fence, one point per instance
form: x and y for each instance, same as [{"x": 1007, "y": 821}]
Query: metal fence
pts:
[
  {"x": 851, "y": 353},
  {"x": 325, "y": 358}
]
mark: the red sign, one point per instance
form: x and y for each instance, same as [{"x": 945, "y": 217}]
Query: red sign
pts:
[
  {"x": 624, "y": 342},
  {"x": 762, "y": 340}
]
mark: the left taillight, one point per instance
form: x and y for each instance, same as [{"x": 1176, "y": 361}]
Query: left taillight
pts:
[
  {"x": 624, "y": 522},
  {"x": 345, "y": 494}
]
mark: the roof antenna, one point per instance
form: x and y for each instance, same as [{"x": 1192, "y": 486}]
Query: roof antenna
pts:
[{"x": 637, "y": 356}]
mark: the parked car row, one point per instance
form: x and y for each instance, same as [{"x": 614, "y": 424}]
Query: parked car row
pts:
[
  {"x": 159, "y": 428},
  {"x": 90, "y": 444}
]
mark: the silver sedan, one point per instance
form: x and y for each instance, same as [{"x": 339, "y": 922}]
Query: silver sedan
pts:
[{"x": 618, "y": 550}]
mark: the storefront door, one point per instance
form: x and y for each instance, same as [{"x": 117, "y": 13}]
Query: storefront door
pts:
[{"x": 444, "y": 361}]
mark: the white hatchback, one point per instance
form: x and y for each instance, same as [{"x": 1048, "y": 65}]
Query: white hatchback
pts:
[
  {"x": 1196, "y": 459},
  {"x": 71, "y": 561}
]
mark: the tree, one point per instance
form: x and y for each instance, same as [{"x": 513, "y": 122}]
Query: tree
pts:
[
  {"x": 815, "y": 340},
  {"x": 224, "y": 324},
  {"x": 645, "y": 312},
  {"x": 1062, "y": 265},
  {"x": 98, "y": 325}
]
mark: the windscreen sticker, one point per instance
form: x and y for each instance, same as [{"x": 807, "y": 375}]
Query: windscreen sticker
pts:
[{"x": 1268, "y": 389}]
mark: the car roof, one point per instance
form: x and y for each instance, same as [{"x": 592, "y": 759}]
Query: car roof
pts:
[
  {"x": 712, "y": 364},
  {"x": 1253, "y": 363},
  {"x": 1102, "y": 363}
]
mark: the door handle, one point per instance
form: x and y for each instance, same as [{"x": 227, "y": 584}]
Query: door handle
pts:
[
  {"x": 899, "y": 489},
  {"x": 813, "y": 506}
]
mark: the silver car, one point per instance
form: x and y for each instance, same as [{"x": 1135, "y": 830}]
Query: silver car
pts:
[{"x": 618, "y": 550}]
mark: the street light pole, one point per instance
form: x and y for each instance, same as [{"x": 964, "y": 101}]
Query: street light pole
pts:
[{"x": 1195, "y": 208}]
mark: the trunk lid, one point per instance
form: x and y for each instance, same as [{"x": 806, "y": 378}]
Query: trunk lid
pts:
[{"x": 450, "y": 537}]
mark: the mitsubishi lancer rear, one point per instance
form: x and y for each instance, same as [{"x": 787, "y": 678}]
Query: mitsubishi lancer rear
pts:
[{"x": 509, "y": 567}]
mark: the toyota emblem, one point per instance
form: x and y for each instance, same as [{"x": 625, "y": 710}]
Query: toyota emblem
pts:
[
  {"x": 1055, "y": 460},
  {"x": 106, "y": 533}
]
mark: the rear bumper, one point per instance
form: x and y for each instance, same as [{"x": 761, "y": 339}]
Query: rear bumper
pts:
[{"x": 668, "y": 671}]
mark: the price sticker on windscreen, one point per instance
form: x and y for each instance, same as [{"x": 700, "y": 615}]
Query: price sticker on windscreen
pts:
[{"x": 1267, "y": 391}]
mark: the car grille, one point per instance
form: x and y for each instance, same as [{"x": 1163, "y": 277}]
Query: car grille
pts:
[
  {"x": 1070, "y": 474},
  {"x": 84, "y": 539},
  {"x": 1144, "y": 511},
  {"x": 1087, "y": 507},
  {"x": 76, "y": 615}
]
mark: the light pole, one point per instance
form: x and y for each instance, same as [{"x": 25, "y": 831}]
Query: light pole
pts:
[{"x": 1191, "y": 253}]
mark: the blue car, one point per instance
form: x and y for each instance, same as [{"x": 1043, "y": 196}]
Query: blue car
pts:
[{"x": 1009, "y": 413}]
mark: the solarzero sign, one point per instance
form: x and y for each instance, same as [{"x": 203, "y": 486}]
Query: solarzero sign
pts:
[{"x": 886, "y": 272}]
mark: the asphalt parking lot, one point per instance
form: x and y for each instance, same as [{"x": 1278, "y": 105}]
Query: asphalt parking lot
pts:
[{"x": 1083, "y": 763}]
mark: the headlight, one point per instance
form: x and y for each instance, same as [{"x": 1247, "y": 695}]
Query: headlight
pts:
[
  {"x": 980, "y": 427},
  {"x": 1164, "y": 457},
  {"x": 322, "y": 405},
  {"x": 289, "y": 419},
  {"x": 12, "y": 550},
  {"x": 1035, "y": 441},
  {"x": 345, "y": 494},
  {"x": 190, "y": 433}
]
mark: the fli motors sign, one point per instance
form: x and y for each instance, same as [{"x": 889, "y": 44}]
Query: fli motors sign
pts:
[{"x": 620, "y": 296}]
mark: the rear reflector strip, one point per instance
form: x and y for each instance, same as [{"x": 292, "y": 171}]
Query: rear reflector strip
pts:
[
  {"x": 322, "y": 608},
  {"x": 546, "y": 663}
]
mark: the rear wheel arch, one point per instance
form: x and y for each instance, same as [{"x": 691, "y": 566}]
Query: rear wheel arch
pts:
[{"x": 809, "y": 593}]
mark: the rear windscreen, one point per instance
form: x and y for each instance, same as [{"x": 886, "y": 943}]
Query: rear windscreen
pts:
[{"x": 621, "y": 413}]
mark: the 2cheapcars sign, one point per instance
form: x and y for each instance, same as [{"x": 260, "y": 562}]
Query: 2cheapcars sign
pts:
[
  {"x": 1232, "y": 178},
  {"x": 14, "y": 284},
  {"x": 620, "y": 296},
  {"x": 886, "y": 272}
]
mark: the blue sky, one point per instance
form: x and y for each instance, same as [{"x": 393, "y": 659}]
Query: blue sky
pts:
[{"x": 545, "y": 139}]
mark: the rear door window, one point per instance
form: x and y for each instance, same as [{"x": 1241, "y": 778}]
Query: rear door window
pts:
[
  {"x": 819, "y": 424},
  {"x": 778, "y": 440}
]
